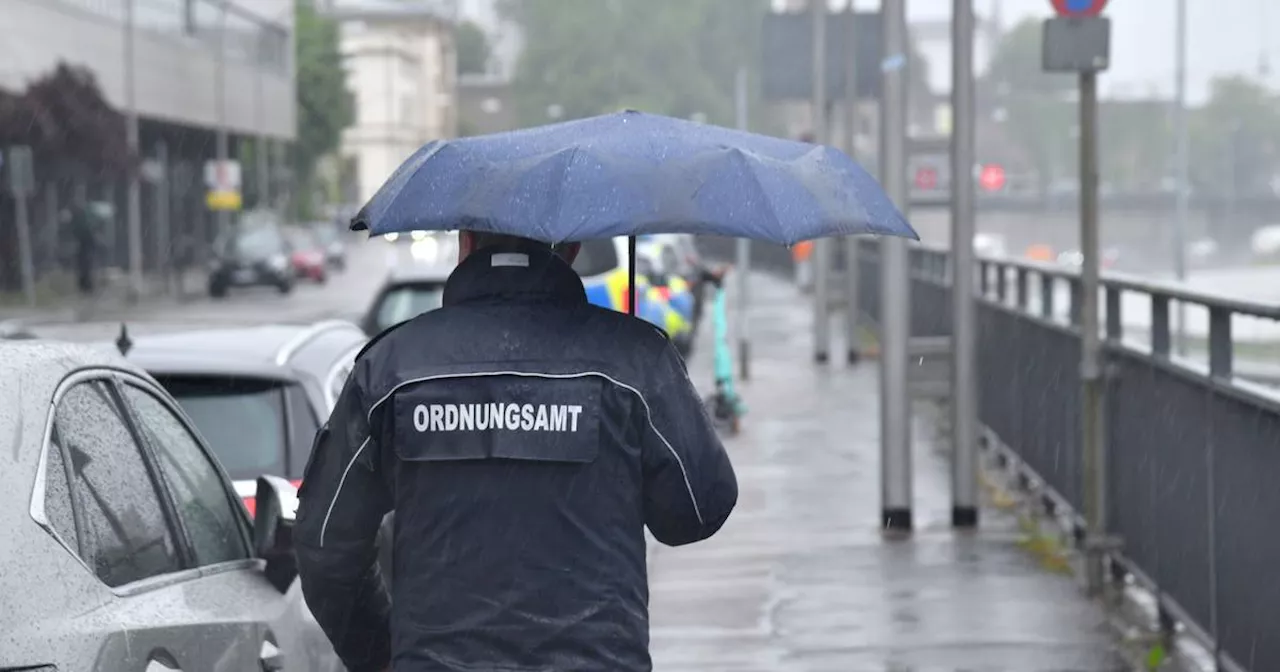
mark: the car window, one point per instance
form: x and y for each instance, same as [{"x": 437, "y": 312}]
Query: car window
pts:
[
  {"x": 125, "y": 535},
  {"x": 303, "y": 426},
  {"x": 256, "y": 242},
  {"x": 670, "y": 261},
  {"x": 201, "y": 499},
  {"x": 596, "y": 257},
  {"x": 57, "y": 498},
  {"x": 406, "y": 302},
  {"x": 242, "y": 419}
]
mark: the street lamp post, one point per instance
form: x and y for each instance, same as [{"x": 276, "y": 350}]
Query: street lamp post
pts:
[
  {"x": 131, "y": 122},
  {"x": 1183, "y": 167}
]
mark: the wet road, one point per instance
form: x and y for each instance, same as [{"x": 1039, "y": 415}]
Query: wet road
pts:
[{"x": 800, "y": 578}]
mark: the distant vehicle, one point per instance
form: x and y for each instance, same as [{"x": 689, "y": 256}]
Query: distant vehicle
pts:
[
  {"x": 125, "y": 545},
  {"x": 407, "y": 292},
  {"x": 602, "y": 265},
  {"x": 989, "y": 245},
  {"x": 307, "y": 255},
  {"x": 253, "y": 253},
  {"x": 335, "y": 250},
  {"x": 1264, "y": 244},
  {"x": 676, "y": 255},
  {"x": 1109, "y": 257}
]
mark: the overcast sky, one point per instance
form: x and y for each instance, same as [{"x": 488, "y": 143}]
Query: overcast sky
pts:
[{"x": 1223, "y": 36}]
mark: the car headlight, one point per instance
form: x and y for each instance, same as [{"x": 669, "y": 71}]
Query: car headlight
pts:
[
  {"x": 419, "y": 235},
  {"x": 391, "y": 237},
  {"x": 277, "y": 262}
]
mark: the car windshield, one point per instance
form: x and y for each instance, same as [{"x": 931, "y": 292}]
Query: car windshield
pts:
[
  {"x": 406, "y": 302},
  {"x": 302, "y": 240},
  {"x": 242, "y": 419},
  {"x": 596, "y": 258},
  {"x": 255, "y": 242},
  {"x": 325, "y": 234}
]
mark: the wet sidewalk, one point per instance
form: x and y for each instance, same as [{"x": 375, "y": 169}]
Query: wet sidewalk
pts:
[{"x": 801, "y": 578}]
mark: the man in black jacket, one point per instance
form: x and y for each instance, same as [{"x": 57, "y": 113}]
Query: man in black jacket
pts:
[{"x": 524, "y": 439}]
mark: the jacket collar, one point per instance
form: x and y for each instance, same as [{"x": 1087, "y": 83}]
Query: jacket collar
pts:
[{"x": 514, "y": 273}]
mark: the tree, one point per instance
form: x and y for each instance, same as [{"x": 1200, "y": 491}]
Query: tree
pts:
[
  {"x": 63, "y": 115},
  {"x": 675, "y": 57},
  {"x": 1234, "y": 137},
  {"x": 473, "y": 49},
  {"x": 325, "y": 106}
]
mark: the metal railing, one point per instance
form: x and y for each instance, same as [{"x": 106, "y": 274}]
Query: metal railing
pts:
[{"x": 1192, "y": 467}]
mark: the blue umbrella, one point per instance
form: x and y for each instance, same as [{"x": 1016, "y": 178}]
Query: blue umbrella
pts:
[{"x": 629, "y": 174}]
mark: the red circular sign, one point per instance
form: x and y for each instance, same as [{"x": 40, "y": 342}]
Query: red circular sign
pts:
[
  {"x": 926, "y": 178},
  {"x": 1078, "y": 7},
  {"x": 992, "y": 177}
]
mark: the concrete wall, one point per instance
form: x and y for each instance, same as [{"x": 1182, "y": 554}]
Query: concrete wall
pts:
[{"x": 176, "y": 74}]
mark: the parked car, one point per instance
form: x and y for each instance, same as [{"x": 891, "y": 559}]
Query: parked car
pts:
[
  {"x": 335, "y": 250},
  {"x": 254, "y": 252},
  {"x": 258, "y": 394},
  {"x": 408, "y": 291},
  {"x": 307, "y": 255},
  {"x": 126, "y": 547}
]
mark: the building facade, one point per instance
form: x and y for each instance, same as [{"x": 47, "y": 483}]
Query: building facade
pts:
[
  {"x": 402, "y": 71},
  {"x": 196, "y": 74}
]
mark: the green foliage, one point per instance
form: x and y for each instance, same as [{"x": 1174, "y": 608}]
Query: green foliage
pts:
[
  {"x": 1016, "y": 64},
  {"x": 473, "y": 49},
  {"x": 1234, "y": 137},
  {"x": 325, "y": 107},
  {"x": 674, "y": 57}
]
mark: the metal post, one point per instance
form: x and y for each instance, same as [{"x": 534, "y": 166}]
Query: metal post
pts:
[
  {"x": 164, "y": 237},
  {"x": 134, "y": 204},
  {"x": 743, "y": 244},
  {"x": 24, "y": 249},
  {"x": 964, "y": 388},
  {"x": 1090, "y": 365},
  {"x": 821, "y": 247},
  {"x": 852, "y": 312},
  {"x": 895, "y": 288},
  {"x": 1183, "y": 162},
  {"x": 224, "y": 217}
]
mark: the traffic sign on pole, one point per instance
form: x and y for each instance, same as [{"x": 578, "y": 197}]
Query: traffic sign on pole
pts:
[{"x": 1078, "y": 7}]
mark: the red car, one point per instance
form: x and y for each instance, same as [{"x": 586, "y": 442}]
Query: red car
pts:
[{"x": 308, "y": 255}]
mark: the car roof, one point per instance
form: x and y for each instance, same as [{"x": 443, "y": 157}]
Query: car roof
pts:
[
  {"x": 30, "y": 371},
  {"x": 419, "y": 272},
  {"x": 279, "y": 351}
]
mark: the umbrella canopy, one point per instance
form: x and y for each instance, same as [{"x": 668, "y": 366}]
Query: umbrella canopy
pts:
[{"x": 628, "y": 174}]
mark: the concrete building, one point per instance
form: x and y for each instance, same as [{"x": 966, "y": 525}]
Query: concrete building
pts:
[
  {"x": 402, "y": 70},
  {"x": 201, "y": 69}
]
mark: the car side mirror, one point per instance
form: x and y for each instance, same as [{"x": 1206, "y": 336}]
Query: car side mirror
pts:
[{"x": 276, "y": 505}]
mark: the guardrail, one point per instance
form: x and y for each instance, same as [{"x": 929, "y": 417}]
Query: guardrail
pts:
[{"x": 1192, "y": 467}]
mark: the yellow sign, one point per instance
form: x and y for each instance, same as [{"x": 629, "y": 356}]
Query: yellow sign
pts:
[{"x": 223, "y": 200}]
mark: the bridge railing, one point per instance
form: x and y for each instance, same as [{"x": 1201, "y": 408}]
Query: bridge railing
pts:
[{"x": 1192, "y": 468}]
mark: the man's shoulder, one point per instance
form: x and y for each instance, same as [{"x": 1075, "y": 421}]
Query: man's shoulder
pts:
[{"x": 633, "y": 329}]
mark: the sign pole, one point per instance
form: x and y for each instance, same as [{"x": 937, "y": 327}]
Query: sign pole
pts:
[
  {"x": 964, "y": 375},
  {"x": 224, "y": 217},
  {"x": 822, "y": 246},
  {"x": 22, "y": 184},
  {"x": 134, "y": 204},
  {"x": 895, "y": 283},
  {"x": 1078, "y": 40},
  {"x": 24, "y": 249}
]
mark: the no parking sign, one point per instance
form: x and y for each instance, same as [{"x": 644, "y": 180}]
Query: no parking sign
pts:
[{"x": 1078, "y": 7}]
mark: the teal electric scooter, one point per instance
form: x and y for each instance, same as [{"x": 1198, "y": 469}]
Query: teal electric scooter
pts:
[{"x": 724, "y": 405}]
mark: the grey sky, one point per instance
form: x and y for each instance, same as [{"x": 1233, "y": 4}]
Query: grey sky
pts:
[{"x": 1224, "y": 36}]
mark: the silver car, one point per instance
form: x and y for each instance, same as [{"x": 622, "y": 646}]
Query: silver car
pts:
[{"x": 123, "y": 544}]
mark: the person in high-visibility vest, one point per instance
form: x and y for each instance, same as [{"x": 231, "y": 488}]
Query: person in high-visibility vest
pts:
[{"x": 651, "y": 306}]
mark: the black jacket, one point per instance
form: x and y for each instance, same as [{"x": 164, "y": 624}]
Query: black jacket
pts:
[{"x": 524, "y": 439}]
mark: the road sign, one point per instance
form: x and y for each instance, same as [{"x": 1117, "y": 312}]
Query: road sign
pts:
[
  {"x": 223, "y": 180},
  {"x": 992, "y": 177},
  {"x": 22, "y": 174},
  {"x": 786, "y": 70},
  {"x": 1078, "y": 7}
]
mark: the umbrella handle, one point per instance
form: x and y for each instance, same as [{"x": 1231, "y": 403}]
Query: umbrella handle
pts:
[{"x": 631, "y": 275}]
